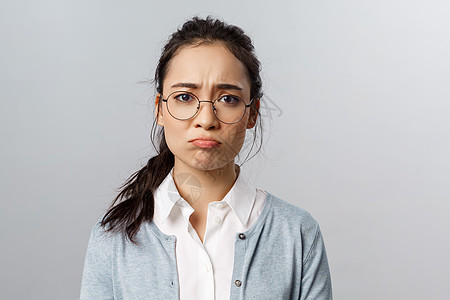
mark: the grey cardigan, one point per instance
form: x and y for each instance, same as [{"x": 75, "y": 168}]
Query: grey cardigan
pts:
[{"x": 282, "y": 256}]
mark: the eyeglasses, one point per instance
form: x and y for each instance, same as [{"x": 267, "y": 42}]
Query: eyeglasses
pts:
[{"x": 228, "y": 109}]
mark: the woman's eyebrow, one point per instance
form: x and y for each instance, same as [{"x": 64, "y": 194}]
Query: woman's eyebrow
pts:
[
  {"x": 228, "y": 86},
  {"x": 185, "y": 85},
  {"x": 219, "y": 86}
]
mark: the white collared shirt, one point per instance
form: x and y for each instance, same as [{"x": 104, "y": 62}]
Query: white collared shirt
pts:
[{"x": 205, "y": 269}]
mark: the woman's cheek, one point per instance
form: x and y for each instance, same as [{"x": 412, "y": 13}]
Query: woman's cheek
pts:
[
  {"x": 171, "y": 140},
  {"x": 234, "y": 137}
]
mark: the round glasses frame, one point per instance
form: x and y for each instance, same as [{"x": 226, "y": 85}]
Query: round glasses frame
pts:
[{"x": 198, "y": 106}]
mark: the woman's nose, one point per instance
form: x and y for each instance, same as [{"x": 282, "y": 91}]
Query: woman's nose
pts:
[{"x": 205, "y": 116}]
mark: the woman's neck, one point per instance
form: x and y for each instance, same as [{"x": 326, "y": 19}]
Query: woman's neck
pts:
[{"x": 200, "y": 187}]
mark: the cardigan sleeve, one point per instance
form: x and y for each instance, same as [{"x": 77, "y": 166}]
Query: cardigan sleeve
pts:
[
  {"x": 96, "y": 282},
  {"x": 316, "y": 278}
]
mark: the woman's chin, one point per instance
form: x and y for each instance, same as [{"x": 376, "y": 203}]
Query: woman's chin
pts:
[{"x": 207, "y": 163}]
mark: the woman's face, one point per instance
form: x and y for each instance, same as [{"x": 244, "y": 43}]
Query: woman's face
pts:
[{"x": 208, "y": 71}]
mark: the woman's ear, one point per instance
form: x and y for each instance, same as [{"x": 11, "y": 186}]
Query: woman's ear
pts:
[
  {"x": 158, "y": 112},
  {"x": 253, "y": 114}
]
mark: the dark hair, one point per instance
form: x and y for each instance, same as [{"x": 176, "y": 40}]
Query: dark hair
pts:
[{"x": 136, "y": 193}]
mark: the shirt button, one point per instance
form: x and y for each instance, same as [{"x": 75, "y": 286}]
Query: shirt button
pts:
[
  {"x": 242, "y": 236},
  {"x": 238, "y": 283},
  {"x": 207, "y": 268},
  {"x": 220, "y": 205},
  {"x": 217, "y": 219}
]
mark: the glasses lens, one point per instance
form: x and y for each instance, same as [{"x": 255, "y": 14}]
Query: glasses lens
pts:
[
  {"x": 184, "y": 105},
  {"x": 229, "y": 109}
]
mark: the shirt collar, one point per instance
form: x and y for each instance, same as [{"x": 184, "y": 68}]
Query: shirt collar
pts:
[{"x": 240, "y": 197}]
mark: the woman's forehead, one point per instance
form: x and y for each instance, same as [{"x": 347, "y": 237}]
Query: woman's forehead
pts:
[{"x": 206, "y": 63}]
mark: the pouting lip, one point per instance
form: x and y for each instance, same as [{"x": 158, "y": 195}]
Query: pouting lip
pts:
[{"x": 204, "y": 138}]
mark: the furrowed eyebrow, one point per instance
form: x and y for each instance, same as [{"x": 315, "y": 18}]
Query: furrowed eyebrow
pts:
[
  {"x": 220, "y": 86},
  {"x": 227, "y": 86},
  {"x": 185, "y": 85}
]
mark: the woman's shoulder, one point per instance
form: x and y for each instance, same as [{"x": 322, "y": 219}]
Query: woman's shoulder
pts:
[
  {"x": 100, "y": 233},
  {"x": 106, "y": 236},
  {"x": 284, "y": 211},
  {"x": 293, "y": 223}
]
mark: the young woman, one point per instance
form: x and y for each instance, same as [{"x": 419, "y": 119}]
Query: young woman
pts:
[{"x": 189, "y": 225}]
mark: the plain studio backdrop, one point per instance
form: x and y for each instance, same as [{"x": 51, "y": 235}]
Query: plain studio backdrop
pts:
[{"x": 356, "y": 115}]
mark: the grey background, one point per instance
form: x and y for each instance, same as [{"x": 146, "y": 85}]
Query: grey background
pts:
[{"x": 357, "y": 131}]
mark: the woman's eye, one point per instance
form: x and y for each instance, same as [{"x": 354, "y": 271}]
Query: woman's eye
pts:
[
  {"x": 184, "y": 97},
  {"x": 228, "y": 99}
]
